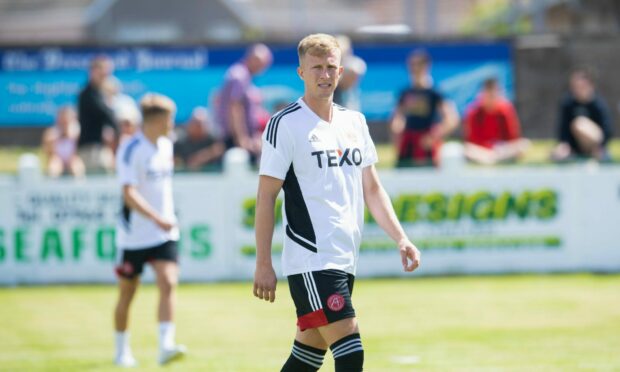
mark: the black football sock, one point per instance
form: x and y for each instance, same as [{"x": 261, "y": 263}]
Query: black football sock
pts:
[
  {"x": 304, "y": 358},
  {"x": 348, "y": 353}
]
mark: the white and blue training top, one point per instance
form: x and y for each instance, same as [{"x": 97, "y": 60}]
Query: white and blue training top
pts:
[
  {"x": 148, "y": 167},
  {"x": 321, "y": 165}
]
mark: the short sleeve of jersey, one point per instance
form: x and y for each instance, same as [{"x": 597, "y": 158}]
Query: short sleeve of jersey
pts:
[
  {"x": 126, "y": 168},
  {"x": 370, "y": 152},
  {"x": 277, "y": 152}
]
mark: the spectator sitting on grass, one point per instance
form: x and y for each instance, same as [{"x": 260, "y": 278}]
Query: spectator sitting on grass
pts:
[
  {"x": 198, "y": 149},
  {"x": 585, "y": 124},
  {"x": 60, "y": 145},
  {"x": 492, "y": 131}
]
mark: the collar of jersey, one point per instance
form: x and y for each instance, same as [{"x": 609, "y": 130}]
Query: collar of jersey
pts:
[
  {"x": 142, "y": 137},
  {"x": 302, "y": 103}
]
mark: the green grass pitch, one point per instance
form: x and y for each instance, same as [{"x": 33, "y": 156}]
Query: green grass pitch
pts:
[{"x": 488, "y": 323}]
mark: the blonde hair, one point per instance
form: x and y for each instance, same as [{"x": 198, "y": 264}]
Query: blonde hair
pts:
[
  {"x": 317, "y": 45},
  {"x": 154, "y": 104}
]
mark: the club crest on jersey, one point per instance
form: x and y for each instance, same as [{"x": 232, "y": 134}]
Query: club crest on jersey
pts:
[
  {"x": 335, "y": 302},
  {"x": 337, "y": 157},
  {"x": 352, "y": 136}
]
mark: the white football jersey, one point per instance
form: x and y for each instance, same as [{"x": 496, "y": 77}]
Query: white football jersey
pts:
[
  {"x": 321, "y": 164},
  {"x": 149, "y": 168}
]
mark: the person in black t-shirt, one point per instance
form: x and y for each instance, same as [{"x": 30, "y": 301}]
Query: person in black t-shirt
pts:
[
  {"x": 422, "y": 118},
  {"x": 584, "y": 121},
  {"x": 97, "y": 119}
]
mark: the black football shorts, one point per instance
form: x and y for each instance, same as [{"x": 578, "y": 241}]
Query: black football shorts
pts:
[
  {"x": 131, "y": 261},
  {"x": 322, "y": 297}
]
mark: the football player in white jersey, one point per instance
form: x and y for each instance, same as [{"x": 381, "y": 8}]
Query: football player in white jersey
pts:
[
  {"x": 147, "y": 231},
  {"x": 322, "y": 156}
]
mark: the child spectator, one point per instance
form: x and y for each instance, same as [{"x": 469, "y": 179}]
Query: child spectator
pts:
[{"x": 60, "y": 145}]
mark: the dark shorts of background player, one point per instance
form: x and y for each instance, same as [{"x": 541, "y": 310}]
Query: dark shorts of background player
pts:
[
  {"x": 132, "y": 261},
  {"x": 322, "y": 297}
]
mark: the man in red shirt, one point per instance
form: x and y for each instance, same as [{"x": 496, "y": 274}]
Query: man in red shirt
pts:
[{"x": 492, "y": 130}]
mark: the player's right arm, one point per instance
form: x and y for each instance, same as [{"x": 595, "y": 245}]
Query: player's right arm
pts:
[
  {"x": 275, "y": 161},
  {"x": 265, "y": 277},
  {"x": 135, "y": 201}
]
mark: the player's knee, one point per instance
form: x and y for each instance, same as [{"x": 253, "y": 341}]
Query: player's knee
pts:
[
  {"x": 334, "y": 331},
  {"x": 127, "y": 287},
  {"x": 350, "y": 325},
  {"x": 167, "y": 286},
  {"x": 311, "y": 337},
  {"x": 348, "y": 353}
]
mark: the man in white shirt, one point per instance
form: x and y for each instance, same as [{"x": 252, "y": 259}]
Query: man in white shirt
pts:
[
  {"x": 322, "y": 156},
  {"x": 147, "y": 231}
]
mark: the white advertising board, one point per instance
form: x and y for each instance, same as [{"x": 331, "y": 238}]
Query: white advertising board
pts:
[{"x": 468, "y": 221}]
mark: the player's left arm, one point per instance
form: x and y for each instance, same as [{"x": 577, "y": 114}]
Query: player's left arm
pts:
[{"x": 380, "y": 207}]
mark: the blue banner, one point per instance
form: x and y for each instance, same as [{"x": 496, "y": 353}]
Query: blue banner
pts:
[{"x": 35, "y": 82}]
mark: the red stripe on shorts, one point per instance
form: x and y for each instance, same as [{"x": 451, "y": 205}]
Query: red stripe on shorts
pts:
[{"x": 312, "y": 320}]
